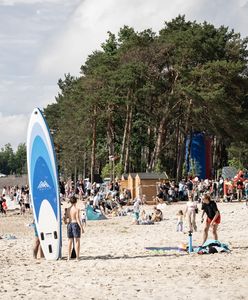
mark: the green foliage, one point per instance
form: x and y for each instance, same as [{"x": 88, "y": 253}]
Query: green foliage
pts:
[
  {"x": 158, "y": 167},
  {"x": 13, "y": 163},
  {"x": 118, "y": 169},
  {"x": 137, "y": 91},
  {"x": 235, "y": 162},
  {"x": 106, "y": 171},
  {"x": 195, "y": 168},
  {"x": 238, "y": 155},
  {"x": 21, "y": 160}
]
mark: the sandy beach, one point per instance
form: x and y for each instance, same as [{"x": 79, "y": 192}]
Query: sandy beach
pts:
[{"x": 114, "y": 263}]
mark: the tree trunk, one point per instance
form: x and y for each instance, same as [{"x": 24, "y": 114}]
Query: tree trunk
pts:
[
  {"x": 93, "y": 149},
  {"x": 127, "y": 148},
  {"x": 189, "y": 151},
  {"x": 182, "y": 148},
  {"x": 176, "y": 150},
  {"x": 110, "y": 141},
  {"x": 159, "y": 143},
  {"x": 148, "y": 149},
  {"x": 75, "y": 176},
  {"x": 110, "y": 132},
  {"x": 84, "y": 165},
  {"x": 124, "y": 140},
  {"x": 150, "y": 133}
]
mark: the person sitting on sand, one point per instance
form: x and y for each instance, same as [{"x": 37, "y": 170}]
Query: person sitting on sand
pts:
[
  {"x": 114, "y": 212},
  {"x": 144, "y": 216},
  {"x": 1, "y": 205},
  {"x": 213, "y": 217},
  {"x": 22, "y": 206},
  {"x": 4, "y": 205},
  {"x": 74, "y": 226},
  {"x": 157, "y": 215}
]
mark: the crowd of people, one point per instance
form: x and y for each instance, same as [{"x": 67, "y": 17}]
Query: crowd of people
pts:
[
  {"x": 109, "y": 199},
  {"x": 19, "y": 195},
  {"x": 220, "y": 190}
]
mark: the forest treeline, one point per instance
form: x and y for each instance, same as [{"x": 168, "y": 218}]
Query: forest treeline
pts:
[
  {"x": 13, "y": 162},
  {"x": 139, "y": 97}
]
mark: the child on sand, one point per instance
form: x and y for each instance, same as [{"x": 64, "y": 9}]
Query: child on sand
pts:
[
  {"x": 136, "y": 210},
  {"x": 180, "y": 221}
]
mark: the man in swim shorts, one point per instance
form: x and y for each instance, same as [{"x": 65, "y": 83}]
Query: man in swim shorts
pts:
[
  {"x": 213, "y": 217},
  {"x": 74, "y": 226}
]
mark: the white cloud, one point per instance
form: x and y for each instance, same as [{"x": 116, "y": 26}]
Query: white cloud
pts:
[
  {"x": 43, "y": 39},
  {"x": 13, "y": 129},
  {"x": 87, "y": 27},
  {"x": 14, "y": 2}
]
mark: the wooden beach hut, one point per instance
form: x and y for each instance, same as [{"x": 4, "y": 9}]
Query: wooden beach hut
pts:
[
  {"x": 128, "y": 182},
  {"x": 131, "y": 184},
  {"x": 146, "y": 185},
  {"x": 124, "y": 182}
]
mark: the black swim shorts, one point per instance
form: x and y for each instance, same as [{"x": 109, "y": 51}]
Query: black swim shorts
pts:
[{"x": 73, "y": 231}]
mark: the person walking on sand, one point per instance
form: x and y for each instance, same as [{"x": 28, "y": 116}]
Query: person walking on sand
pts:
[
  {"x": 190, "y": 213},
  {"x": 74, "y": 226},
  {"x": 213, "y": 217}
]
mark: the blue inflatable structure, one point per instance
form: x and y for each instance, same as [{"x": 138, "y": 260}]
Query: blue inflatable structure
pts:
[{"x": 198, "y": 155}]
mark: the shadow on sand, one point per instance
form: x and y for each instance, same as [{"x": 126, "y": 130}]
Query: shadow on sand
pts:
[{"x": 156, "y": 252}]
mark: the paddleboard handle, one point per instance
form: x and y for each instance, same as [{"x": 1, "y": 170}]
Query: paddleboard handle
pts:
[{"x": 190, "y": 242}]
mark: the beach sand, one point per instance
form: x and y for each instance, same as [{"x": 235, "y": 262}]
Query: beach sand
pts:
[{"x": 114, "y": 263}]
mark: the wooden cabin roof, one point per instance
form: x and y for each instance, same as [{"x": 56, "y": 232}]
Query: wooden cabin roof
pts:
[{"x": 147, "y": 176}]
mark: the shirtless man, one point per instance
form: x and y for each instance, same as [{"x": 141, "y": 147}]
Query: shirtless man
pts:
[{"x": 74, "y": 226}]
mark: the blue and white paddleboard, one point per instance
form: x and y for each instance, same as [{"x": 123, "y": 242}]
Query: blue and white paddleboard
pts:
[{"x": 44, "y": 186}]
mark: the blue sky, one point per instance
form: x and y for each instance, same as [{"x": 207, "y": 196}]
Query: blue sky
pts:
[{"x": 41, "y": 40}]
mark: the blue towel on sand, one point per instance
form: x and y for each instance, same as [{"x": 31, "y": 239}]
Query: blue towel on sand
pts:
[{"x": 212, "y": 246}]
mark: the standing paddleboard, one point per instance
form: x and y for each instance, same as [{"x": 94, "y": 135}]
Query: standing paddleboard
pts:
[{"x": 44, "y": 187}]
